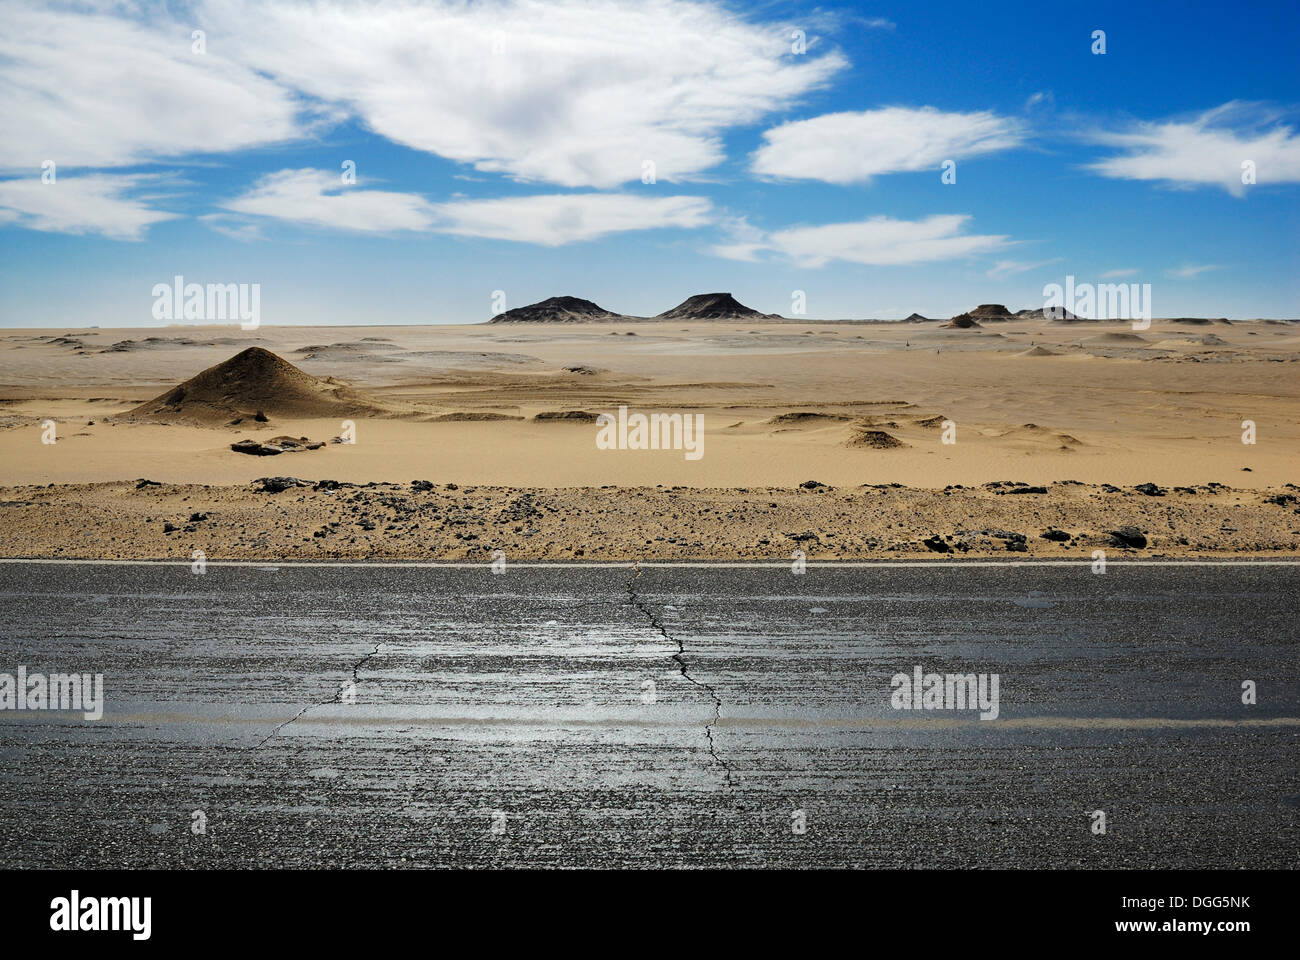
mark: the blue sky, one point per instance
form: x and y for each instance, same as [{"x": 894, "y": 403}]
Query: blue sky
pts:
[{"x": 502, "y": 146}]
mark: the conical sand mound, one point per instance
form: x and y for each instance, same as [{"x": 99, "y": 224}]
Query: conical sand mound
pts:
[
  {"x": 1038, "y": 352},
  {"x": 253, "y": 381}
]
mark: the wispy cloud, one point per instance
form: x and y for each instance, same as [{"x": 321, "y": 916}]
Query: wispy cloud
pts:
[
  {"x": 879, "y": 241},
  {"x": 1009, "y": 268},
  {"x": 1116, "y": 274},
  {"x": 556, "y": 219},
  {"x": 318, "y": 198},
  {"x": 1208, "y": 150},
  {"x": 233, "y": 226},
  {"x": 854, "y": 147},
  {"x": 1191, "y": 270},
  {"x": 88, "y": 204}
]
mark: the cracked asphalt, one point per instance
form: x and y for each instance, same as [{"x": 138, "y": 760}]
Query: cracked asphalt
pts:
[{"x": 419, "y": 717}]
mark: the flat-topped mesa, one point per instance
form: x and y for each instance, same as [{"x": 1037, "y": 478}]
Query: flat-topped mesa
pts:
[
  {"x": 992, "y": 311},
  {"x": 714, "y": 306},
  {"x": 558, "y": 310},
  {"x": 254, "y": 383}
]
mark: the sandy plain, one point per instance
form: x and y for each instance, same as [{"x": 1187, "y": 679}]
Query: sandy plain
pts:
[{"x": 1086, "y": 410}]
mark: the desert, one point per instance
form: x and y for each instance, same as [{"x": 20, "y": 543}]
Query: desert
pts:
[{"x": 991, "y": 433}]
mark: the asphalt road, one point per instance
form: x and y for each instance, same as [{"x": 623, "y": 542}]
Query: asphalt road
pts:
[{"x": 379, "y": 717}]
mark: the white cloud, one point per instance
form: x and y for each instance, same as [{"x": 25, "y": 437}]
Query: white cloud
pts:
[
  {"x": 1191, "y": 270},
  {"x": 97, "y": 90},
  {"x": 1114, "y": 274},
  {"x": 318, "y": 198},
  {"x": 1009, "y": 268},
  {"x": 572, "y": 92},
  {"x": 93, "y": 203},
  {"x": 234, "y": 227},
  {"x": 854, "y": 147},
  {"x": 1207, "y": 150},
  {"x": 879, "y": 241},
  {"x": 552, "y": 220}
]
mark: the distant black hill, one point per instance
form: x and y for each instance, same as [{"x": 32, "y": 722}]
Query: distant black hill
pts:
[
  {"x": 703, "y": 306},
  {"x": 714, "y": 306},
  {"x": 559, "y": 310}
]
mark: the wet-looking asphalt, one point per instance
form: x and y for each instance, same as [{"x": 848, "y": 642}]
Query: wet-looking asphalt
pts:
[{"x": 594, "y": 716}]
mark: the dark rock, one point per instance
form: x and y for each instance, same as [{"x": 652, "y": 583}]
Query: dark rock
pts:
[
  {"x": 1128, "y": 536},
  {"x": 1150, "y": 489},
  {"x": 1024, "y": 490},
  {"x": 169, "y": 527},
  {"x": 935, "y": 543},
  {"x": 280, "y": 484},
  {"x": 276, "y": 445},
  {"x": 421, "y": 486},
  {"x": 256, "y": 449},
  {"x": 142, "y": 483},
  {"x": 812, "y": 485},
  {"x": 1057, "y": 536},
  {"x": 566, "y": 416}
]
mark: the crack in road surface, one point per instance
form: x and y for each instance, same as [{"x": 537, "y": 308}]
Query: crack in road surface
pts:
[
  {"x": 679, "y": 658},
  {"x": 356, "y": 679}
]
